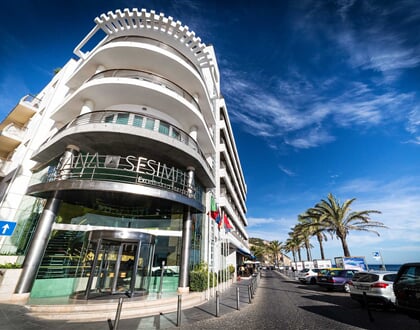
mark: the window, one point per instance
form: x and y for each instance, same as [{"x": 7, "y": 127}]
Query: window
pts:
[
  {"x": 109, "y": 118},
  {"x": 150, "y": 124},
  {"x": 176, "y": 134},
  {"x": 138, "y": 121},
  {"x": 164, "y": 128},
  {"x": 122, "y": 118}
]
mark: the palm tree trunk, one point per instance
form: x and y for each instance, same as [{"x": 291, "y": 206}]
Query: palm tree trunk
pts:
[
  {"x": 345, "y": 247},
  {"x": 300, "y": 258},
  {"x": 308, "y": 251},
  {"x": 321, "y": 246}
]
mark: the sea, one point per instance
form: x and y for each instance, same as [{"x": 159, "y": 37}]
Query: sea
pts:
[{"x": 392, "y": 267}]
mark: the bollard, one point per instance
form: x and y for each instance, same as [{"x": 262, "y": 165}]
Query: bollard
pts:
[
  {"x": 118, "y": 314},
  {"x": 371, "y": 319},
  {"x": 237, "y": 298},
  {"x": 249, "y": 293},
  {"x": 178, "y": 314},
  {"x": 217, "y": 304}
]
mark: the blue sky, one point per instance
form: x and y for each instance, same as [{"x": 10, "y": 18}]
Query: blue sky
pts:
[{"x": 323, "y": 97}]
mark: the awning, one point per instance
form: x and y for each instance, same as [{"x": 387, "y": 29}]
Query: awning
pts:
[{"x": 245, "y": 252}]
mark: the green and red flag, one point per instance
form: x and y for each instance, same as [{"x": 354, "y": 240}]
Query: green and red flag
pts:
[{"x": 214, "y": 211}]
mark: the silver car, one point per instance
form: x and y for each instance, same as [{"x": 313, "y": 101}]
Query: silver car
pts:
[
  {"x": 308, "y": 275},
  {"x": 375, "y": 287}
]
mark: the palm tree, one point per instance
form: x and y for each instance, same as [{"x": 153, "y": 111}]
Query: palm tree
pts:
[
  {"x": 259, "y": 252},
  {"x": 297, "y": 241},
  {"x": 338, "y": 219},
  {"x": 312, "y": 220},
  {"x": 275, "y": 248},
  {"x": 303, "y": 235},
  {"x": 293, "y": 246}
]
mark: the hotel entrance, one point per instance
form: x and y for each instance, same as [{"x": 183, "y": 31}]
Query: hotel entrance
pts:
[{"x": 121, "y": 263}]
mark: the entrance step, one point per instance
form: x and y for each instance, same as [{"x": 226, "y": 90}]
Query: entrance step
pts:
[{"x": 99, "y": 311}]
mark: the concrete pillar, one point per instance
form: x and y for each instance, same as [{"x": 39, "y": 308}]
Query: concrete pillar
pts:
[
  {"x": 190, "y": 182},
  {"x": 38, "y": 245},
  {"x": 88, "y": 106},
  {"x": 194, "y": 132},
  {"x": 100, "y": 68},
  {"x": 66, "y": 161}
]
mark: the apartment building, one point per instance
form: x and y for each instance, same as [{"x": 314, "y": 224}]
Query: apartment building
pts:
[{"x": 112, "y": 171}]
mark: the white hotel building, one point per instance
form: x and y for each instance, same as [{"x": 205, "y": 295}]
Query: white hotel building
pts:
[{"x": 109, "y": 171}]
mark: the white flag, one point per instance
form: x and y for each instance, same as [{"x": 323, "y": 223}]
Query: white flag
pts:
[{"x": 376, "y": 255}]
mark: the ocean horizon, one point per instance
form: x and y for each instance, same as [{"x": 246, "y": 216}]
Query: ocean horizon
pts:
[{"x": 391, "y": 267}]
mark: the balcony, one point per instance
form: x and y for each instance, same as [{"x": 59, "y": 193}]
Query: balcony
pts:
[
  {"x": 5, "y": 167},
  {"x": 11, "y": 136},
  {"x": 136, "y": 87},
  {"x": 11, "y": 128},
  {"x": 150, "y": 78},
  {"x": 127, "y": 133}
]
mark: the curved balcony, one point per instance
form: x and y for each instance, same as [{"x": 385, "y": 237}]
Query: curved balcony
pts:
[
  {"x": 122, "y": 132},
  {"x": 92, "y": 177},
  {"x": 148, "y": 77},
  {"x": 11, "y": 137},
  {"x": 156, "y": 43}
]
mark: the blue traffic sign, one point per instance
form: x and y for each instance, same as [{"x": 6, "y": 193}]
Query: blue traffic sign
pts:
[{"x": 7, "y": 228}]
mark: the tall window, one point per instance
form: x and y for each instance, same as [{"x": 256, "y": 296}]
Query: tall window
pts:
[
  {"x": 137, "y": 121},
  {"x": 164, "y": 128},
  {"x": 122, "y": 118},
  {"x": 150, "y": 124}
]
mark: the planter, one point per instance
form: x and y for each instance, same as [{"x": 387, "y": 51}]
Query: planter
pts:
[{"x": 8, "y": 281}]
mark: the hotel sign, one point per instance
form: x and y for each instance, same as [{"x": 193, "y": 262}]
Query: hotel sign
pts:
[{"x": 126, "y": 168}]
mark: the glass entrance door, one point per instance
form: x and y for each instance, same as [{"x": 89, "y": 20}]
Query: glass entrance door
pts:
[
  {"x": 115, "y": 267},
  {"x": 120, "y": 265}
]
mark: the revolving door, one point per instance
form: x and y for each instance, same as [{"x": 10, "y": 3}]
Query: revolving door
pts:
[{"x": 121, "y": 263}]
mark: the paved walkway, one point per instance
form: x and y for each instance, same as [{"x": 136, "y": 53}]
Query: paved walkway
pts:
[{"x": 15, "y": 317}]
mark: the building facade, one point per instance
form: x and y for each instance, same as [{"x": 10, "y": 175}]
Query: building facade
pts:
[{"x": 114, "y": 169}]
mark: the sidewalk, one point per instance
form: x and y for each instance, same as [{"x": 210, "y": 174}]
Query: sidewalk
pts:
[
  {"x": 227, "y": 304},
  {"x": 14, "y": 317}
]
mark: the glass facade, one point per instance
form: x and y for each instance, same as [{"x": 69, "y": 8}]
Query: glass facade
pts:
[{"x": 68, "y": 259}]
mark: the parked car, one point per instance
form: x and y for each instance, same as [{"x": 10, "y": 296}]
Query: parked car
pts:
[
  {"x": 324, "y": 271},
  {"x": 407, "y": 290},
  {"x": 375, "y": 287},
  {"x": 336, "y": 279},
  {"x": 308, "y": 275}
]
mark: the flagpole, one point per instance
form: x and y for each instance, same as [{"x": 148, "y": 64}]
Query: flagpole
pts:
[{"x": 382, "y": 260}]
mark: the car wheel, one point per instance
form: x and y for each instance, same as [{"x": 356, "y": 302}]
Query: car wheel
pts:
[
  {"x": 346, "y": 287},
  {"x": 313, "y": 281}
]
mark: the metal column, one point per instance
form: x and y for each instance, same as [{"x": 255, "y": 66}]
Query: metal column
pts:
[
  {"x": 38, "y": 245},
  {"x": 186, "y": 237}
]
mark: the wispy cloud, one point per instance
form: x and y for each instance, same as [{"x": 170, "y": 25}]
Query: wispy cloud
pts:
[
  {"x": 305, "y": 117},
  {"x": 287, "y": 171}
]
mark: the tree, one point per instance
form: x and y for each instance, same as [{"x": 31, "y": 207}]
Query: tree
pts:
[
  {"x": 291, "y": 246},
  {"x": 275, "y": 248},
  {"x": 338, "y": 219},
  {"x": 258, "y": 251},
  {"x": 303, "y": 235},
  {"x": 312, "y": 220}
]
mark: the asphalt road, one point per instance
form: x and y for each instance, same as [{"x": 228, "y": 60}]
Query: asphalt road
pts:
[
  {"x": 279, "y": 303},
  {"x": 282, "y": 303}
]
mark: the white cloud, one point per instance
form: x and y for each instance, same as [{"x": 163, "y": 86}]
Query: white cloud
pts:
[{"x": 286, "y": 171}]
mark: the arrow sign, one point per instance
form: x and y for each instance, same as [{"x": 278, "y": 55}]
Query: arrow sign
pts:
[{"x": 7, "y": 228}]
